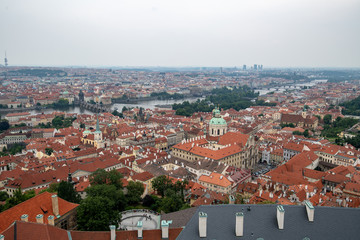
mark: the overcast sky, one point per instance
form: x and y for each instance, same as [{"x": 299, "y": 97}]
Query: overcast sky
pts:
[{"x": 278, "y": 33}]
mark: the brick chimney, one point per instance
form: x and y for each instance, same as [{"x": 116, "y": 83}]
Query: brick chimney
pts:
[
  {"x": 202, "y": 224},
  {"x": 310, "y": 210},
  {"x": 24, "y": 218},
  {"x": 239, "y": 225},
  {"x": 55, "y": 205},
  {"x": 139, "y": 229},
  {"x": 280, "y": 214},
  {"x": 112, "y": 232},
  {"x": 40, "y": 218},
  {"x": 51, "y": 221}
]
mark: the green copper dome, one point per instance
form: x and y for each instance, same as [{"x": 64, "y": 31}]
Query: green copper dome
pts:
[
  {"x": 217, "y": 121},
  {"x": 216, "y": 111}
]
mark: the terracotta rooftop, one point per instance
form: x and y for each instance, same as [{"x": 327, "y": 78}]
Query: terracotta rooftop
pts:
[{"x": 40, "y": 204}]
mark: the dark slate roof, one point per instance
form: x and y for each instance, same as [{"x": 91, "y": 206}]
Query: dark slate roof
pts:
[
  {"x": 179, "y": 218},
  {"x": 261, "y": 222}
]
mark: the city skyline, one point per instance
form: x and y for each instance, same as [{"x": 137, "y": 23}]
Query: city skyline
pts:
[{"x": 201, "y": 34}]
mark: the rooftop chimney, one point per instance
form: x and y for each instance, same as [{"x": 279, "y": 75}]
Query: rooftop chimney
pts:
[
  {"x": 39, "y": 218},
  {"x": 55, "y": 205},
  {"x": 24, "y": 218},
  {"x": 165, "y": 229},
  {"x": 139, "y": 229},
  {"x": 310, "y": 210},
  {"x": 231, "y": 199},
  {"x": 280, "y": 214},
  {"x": 112, "y": 232},
  {"x": 202, "y": 224},
  {"x": 239, "y": 226},
  {"x": 51, "y": 220}
]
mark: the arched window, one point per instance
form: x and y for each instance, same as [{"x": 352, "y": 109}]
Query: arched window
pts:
[{"x": 218, "y": 132}]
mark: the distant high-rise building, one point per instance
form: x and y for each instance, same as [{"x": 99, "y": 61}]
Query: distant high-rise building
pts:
[
  {"x": 6, "y": 61},
  {"x": 260, "y": 67},
  {"x": 244, "y": 67},
  {"x": 255, "y": 67}
]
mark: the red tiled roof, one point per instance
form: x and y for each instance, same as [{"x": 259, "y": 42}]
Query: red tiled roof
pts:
[
  {"x": 144, "y": 176},
  {"x": 40, "y": 204},
  {"x": 37, "y": 231},
  {"x": 216, "y": 179}
]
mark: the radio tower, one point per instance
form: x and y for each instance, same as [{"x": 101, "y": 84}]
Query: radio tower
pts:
[{"x": 6, "y": 61}]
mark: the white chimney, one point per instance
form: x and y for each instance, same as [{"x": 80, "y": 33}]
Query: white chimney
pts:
[
  {"x": 231, "y": 199},
  {"x": 55, "y": 205},
  {"x": 165, "y": 229},
  {"x": 280, "y": 214},
  {"x": 140, "y": 229},
  {"x": 310, "y": 210},
  {"x": 39, "y": 218},
  {"x": 239, "y": 227},
  {"x": 24, "y": 217},
  {"x": 202, "y": 224},
  {"x": 51, "y": 220},
  {"x": 112, "y": 232}
]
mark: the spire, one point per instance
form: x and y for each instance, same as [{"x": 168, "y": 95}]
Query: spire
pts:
[{"x": 97, "y": 123}]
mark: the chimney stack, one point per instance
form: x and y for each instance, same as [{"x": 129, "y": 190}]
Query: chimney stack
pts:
[
  {"x": 202, "y": 224},
  {"x": 239, "y": 227},
  {"x": 51, "y": 221},
  {"x": 231, "y": 199},
  {"x": 140, "y": 229},
  {"x": 112, "y": 232},
  {"x": 55, "y": 205},
  {"x": 280, "y": 214},
  {"x": 310, "y": 210},
  {"x": 24, "y": 218},
  {"x": 39, "y": 218},
  {"x": 165, "y": 229}
]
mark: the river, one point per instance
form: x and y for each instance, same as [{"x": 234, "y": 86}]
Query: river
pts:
[
  {"x": 264, "y": 91},
  {"x": 119, "y": 106},
  {"x": 152, "y": 104}
]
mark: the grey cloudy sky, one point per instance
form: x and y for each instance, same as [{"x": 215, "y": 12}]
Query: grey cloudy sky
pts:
[{"x": 279, "y": 33}]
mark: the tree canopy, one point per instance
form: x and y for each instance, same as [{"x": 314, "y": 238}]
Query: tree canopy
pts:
[{"x": 67, "y": 192}]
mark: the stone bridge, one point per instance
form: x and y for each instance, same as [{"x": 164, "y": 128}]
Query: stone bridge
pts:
[{"x": 95, "y": 107}]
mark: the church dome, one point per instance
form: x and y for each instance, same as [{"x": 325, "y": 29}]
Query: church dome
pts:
[{"x": 217, "y": 121}]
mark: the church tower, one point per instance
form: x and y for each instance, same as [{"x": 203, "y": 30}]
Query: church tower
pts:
[
  {"x": 97, "y": 133},
  {"x": 217, "y": 125}
]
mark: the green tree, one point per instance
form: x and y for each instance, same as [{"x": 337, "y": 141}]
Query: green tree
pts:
[
  {"x": 67, "y": 192},
  {"x": 57, "y": 122},
  {"x": 148, "y": 201},
  {"x": 97, "y": 213},
  {"x": 49, "y": 151},
  {"x": 101, "y": 176},
  {"x": 18, "y": 197},
  {"x": 82, "y": 125},
  {"x": 135, "y": 190},
  {"x": 4, "y": 125},
  {"x": 53, "y": 188},
  {"x": 306, "y": 133},
  {"x": 327, "y": 119},
  {"x": 171, "y": 202},
  {"x": 160, "y": 184},
  {"x": 3, "y": 196}
]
